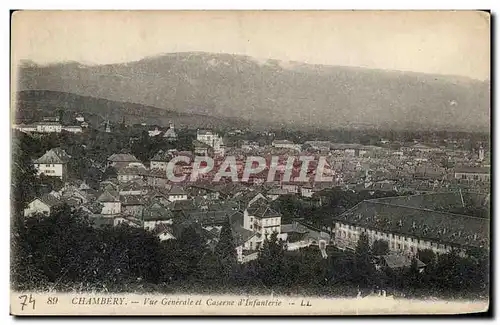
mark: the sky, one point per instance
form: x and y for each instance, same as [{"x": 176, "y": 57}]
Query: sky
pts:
[{"x": 450, "y": 43}]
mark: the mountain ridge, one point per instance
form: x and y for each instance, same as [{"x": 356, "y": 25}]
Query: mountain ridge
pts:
[{"x": 233, "y": 86}]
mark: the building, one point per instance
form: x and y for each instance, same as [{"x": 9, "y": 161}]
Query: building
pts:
[
  {"x": 111, "y": 204},
  {"x": 473, "y": 174},
  {"x": 318, "y": 145},
  {"x": 72, "y": 128},
  {"x": 53, "y": 163},
  {"x": 50, "y": 119},
  {"x": 412, "y": 223},
  {"x": 48, "y": 127},
  {"x": 206, "y": 136},
  {"x": 246, "y": 241},
  {"x": 154, "y": 132},
  {"x": 284, "y": 144},
  {"x": 26, "y": 128},
  {"x": 201, "y": 148},
  {"x": 80, "y": 118},
  {"x": 170, "y": 134},
  {"x": 275, "y": 193},
  {"x": 156, "y": 214},
  {"x": 160, "y": 160},
  {"x": 42, "y": 205},
  {"x": 177, "y": 193},
  {"x": 120, "y": 160},
  {"x": 131, "y": 205},
  {"x": 108, "y": 127},
  {"x": 298, "y": 236},
  {"x": 211, "y": 139},
  {"x": 259, "y": 217},
  {"x": 480, "y": 154},
  {"x": 398, "y": 262},
  {"x": 132, "y": 172}
]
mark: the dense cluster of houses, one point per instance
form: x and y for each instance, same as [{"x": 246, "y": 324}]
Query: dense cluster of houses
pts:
[
  {"x": 141, "y": 195},
  {"x": 167, "y": 208}
]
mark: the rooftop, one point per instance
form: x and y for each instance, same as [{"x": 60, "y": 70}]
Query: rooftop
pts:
[
  {"x": 53, "y": 156},
  {"x": 123, "y": 157},
  {"x": 418, "y": 223}
]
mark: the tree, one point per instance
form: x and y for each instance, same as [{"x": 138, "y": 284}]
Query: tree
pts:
[
  {"x": 50, "y": 183},
  {"x": 24, "y": 182},
  {"x": 364, "y": 269},
  {"x": 271, "y": 261},
  {"x": 226, "y": 252},
  {"x": 380, "y": 247},
  {"x": 413, "y": 276},
  {"x": 189, "y": 250}
]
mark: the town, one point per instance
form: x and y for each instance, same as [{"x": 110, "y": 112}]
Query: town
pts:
[{"x": 408, "y": 198}]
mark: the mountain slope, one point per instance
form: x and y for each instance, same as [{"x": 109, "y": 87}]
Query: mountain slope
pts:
[
  {"x": 226, "y": 85},
  {"x": 32, "y": 105}
]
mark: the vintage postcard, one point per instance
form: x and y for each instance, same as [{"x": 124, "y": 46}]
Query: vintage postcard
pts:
[{"x": 250, "y": 162}]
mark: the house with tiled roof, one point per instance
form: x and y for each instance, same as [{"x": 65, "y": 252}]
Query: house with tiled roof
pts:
[
  {"x": 42, "y": 205},
  {"x": 132, "y": 205},
  {"x": 111, "y": 203},
  {"x": 132, "y": 172},
  {"x": 206, "y": 191},
  {"x": 275, "y": 192},
  {"x": 398, "y": 262},
  {"x": 133, "y": 187},
  {"x": 157, "y": 177},
  {"x": 260, "y": 217},
  {"x": 156, "y": 213},
  {"x": 247, "y": 242},
  {"x": 120, "y": 160},
  {"x": 248, "y": 197},
  {"x": 177, "y": 193},
  {"x": 201, "y": 148},
  {"x": 160, "y": 160},
  {"x": 53, "y": 163},
  {"x": 129, "y": 220},
  {"x": 163, "y": 232}
]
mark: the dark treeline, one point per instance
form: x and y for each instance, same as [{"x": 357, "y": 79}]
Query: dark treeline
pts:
[{"x": 64, "y": 252}]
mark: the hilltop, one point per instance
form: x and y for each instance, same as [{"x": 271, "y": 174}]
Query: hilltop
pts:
[{"x": 275, "y": 92}]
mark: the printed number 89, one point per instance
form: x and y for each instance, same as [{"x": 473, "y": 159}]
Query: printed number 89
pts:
[{"x": 52, "y": 301}]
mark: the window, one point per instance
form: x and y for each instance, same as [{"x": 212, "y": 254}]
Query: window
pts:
[{"x": 47, "y": 165}]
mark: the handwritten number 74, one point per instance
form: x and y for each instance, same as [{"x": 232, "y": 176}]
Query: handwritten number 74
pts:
[{"x": 26, "y": 301}]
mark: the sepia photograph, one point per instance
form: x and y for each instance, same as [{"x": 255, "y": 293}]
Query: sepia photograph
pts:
[{"x": 250, "y": 162}]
